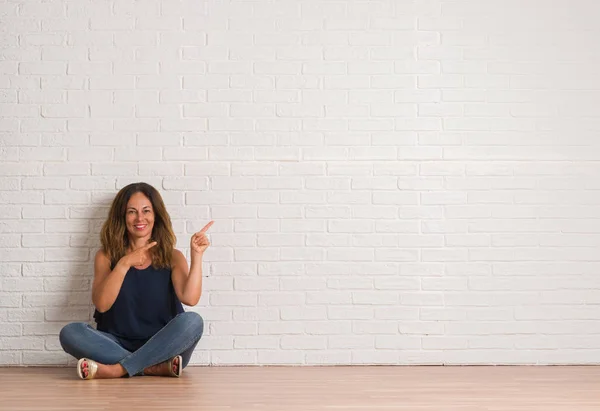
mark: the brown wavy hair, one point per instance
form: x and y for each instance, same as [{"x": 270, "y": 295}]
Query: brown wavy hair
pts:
[{"x": 114, "y": 236}]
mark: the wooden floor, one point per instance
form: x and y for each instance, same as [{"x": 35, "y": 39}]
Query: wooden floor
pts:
[{"x": 310, "y": 388}]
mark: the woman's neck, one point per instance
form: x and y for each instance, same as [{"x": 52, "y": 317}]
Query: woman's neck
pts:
[{"x": 134, "y": 244}]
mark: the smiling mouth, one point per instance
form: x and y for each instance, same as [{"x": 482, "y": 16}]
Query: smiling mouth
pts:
[{"x": 140, "y": 227}]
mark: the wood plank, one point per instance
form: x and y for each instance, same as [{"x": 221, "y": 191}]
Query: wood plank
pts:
[{"x": 355, "y": 388}]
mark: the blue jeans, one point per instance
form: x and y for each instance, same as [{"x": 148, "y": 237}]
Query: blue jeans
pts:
[{"x": 178, "y": 337}]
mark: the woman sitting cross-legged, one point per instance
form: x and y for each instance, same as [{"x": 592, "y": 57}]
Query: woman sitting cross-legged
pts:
[{"x": 140, "y": 283}]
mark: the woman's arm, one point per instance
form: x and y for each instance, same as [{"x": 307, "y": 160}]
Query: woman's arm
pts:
[
  {"x": 187, "y": 283},
  {"x": 107, "y": 283}
]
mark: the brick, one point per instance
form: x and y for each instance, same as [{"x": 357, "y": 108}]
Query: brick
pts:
[
  {"x": 380, "y": 174},
  {"x": 21, "y": 343},
  {"x": 18, "y": 254}
]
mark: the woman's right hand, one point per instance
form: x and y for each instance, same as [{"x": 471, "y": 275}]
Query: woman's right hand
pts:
[{"x": 138, "y": 257}]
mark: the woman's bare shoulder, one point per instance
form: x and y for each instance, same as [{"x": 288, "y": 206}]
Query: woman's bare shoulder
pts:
[
  {"x": 101, "y": 256},
  {"x": 177, "y": 254},
  {"x": 178, "y": 258}
]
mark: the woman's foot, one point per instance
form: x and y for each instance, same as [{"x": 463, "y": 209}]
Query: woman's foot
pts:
[
  {"x": 176, "y": 366},
  {"x": 170, "y": 368},
  {"x": 88, "y": 369}
]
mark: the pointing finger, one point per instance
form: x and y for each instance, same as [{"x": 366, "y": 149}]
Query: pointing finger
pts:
[
  {"x": 206, "y": 227},
  {"x": 149, "y": 246}
]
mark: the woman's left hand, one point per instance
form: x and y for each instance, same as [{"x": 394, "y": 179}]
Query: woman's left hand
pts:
[{"x": 199, "y": 242}]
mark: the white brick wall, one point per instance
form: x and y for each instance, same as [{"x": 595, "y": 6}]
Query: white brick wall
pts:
[{"x": 393, "y": 181}]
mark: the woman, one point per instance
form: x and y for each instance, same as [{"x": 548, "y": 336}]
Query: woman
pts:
[{"x": 140, "y": 283}]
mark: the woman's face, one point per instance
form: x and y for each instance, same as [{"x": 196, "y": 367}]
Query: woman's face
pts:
[{"x": 139, "y": 216}]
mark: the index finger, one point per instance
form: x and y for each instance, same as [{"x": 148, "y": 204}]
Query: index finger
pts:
[
  {"x": 149, "y": 246},
  {"x": 206, "y": 227}
]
